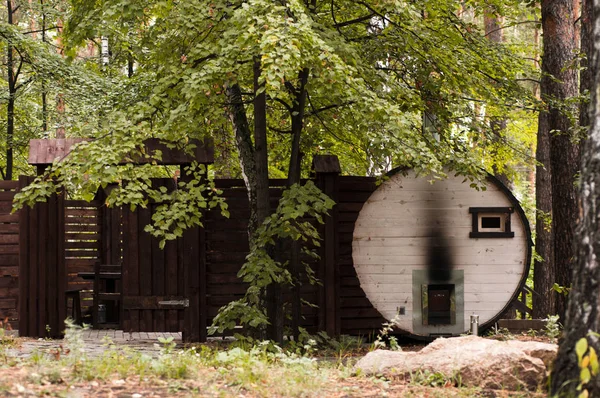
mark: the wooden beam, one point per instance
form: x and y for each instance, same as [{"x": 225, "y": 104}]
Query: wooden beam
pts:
[{"x": 43, "y": 152}]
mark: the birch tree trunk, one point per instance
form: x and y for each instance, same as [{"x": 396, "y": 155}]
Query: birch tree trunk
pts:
[{"x": 583, "y": 316}]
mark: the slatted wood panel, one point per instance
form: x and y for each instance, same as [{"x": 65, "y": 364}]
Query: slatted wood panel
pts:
[
  {"x": 9, "y": 254},
  {"x": 227, "y": 247},
  {"x": 83, "y": 243},
  {"x": 151, "y": 275},
  {"x": 357, "y": 314},
  {"x": 42, "y": 271}
]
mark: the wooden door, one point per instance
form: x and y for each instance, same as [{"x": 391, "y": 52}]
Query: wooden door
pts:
[{"x": 155, "y": 291}]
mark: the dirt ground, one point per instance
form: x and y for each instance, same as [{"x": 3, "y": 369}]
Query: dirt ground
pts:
[{"x": 20, "y": 378}]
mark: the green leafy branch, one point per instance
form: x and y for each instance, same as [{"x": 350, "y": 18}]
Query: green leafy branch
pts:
[{"x": 294, "y": 218}]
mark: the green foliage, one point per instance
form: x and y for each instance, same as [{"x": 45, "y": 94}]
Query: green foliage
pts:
[
  {"x": 298, "y": 209},
  {"x": 435, "y": 379},
  {"x": 384, "y": 334},
  {"x": 587, "y": 360},
  {"x": 561, "y": 289},
  {"x": 553, "y": 327}
]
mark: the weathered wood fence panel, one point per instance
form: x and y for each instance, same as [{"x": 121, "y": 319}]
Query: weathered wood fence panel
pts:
[
  {"x": 357, "y": 315},
  {"x": 152, "y": 276},
  {"x": 71, "y": 236},
  {"x": 9, "y": 254},
  {"x": 83, "y": 243},
  {"x": 42, "y": 270}
]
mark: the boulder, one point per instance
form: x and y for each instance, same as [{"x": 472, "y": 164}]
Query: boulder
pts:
[{"x": 476, "y": 361}]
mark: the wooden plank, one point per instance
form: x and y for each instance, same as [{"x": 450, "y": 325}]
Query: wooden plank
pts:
[
  {"x": 24, "y": 275},
  {"x": 6, "y": 195},
  {"x": 181, "y": 282},
  {"x": 84, "y": 236},
  {"x": 70, "y": 244},
  {"x": 202, "y": 284},
  {"x": 145, "y": 245},
  {"x": 60, "y": 261},
  {"x": 53, "y": 282},
  {"x": 83, "y": 203},
  {"x": 191, "y": 331},
  {"x": 9, "y": 239},
  {"x": 11, "y": 218},
  {"x": 148, "y": 303},
  {"x": 83, "y": 214},
  {"x": 44, "y": 270},
  {"x": 9, "y": 271},
  {"x": 33, "y": 272},
  {"x": 326, "y": 164},
  {"x": 171, "y": 284},
  {"x": 89, "y": 254},
  {"x": 9, "y": 229},
  {"x": 46, "y": 151},
  {"x": 130, "y": 267},
  {"x": 158, "y": 283},
  {"x": 82, "y": 228},
  {"x": 116, "y": 235},
  {"x": 10, "y": 184},
  {"x": 10, "y": 249},
  {"x": 9, "y": 260}
]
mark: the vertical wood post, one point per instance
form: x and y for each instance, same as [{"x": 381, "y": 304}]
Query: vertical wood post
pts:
[
  {"x": 42, "y": 307},
  {"x": 194, "y": 269},
  {"x": 327, "y": 171}
]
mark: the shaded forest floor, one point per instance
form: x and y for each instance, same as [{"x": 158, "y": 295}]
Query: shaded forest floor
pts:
[{"x": 78, "y": 367}]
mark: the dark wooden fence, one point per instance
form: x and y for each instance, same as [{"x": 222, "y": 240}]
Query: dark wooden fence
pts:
[
  {"x": 9, "y": 254},
  {"x": 71, "y": 236}
]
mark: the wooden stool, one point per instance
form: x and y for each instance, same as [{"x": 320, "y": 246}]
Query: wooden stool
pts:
[{"x": 76, "y": 309}]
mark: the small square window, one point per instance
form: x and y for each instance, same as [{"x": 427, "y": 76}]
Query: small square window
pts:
[{"x": 491, "y": 222}]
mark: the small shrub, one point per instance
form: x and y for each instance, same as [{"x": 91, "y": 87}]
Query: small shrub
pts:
[{"x": 553, "y": 327}]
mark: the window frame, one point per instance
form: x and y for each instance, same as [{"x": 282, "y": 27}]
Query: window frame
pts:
[{"x": 503, "y": 232}]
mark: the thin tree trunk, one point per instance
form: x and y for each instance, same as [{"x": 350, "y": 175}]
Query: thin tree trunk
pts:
[
  {"x": 10, "y": 107},
  {"x": 294, "y": 173},
  {"x": 583, "y": 316},
  {"x": 559, "y": 83},
  {"x": 544, "y": 299},
  {"x": 243, "y": 139},
  {"x": 495, "y": 34},
  {"x": 44, "y": 94}
]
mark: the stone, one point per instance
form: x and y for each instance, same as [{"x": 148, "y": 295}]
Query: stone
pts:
[{"x": 475, "y": 361}]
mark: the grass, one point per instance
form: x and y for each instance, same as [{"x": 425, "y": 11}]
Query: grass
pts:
[{"x": 319, "y": 368}]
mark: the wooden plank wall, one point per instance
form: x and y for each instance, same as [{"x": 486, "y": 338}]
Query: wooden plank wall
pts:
[
  {"x": 9, "y": 254},
  {"x": 152, "y": 272},
  {"x": 358, "y": 317},
  {"x": 227, "y": 247},
  {"x": 83, "y": 241},
  {"x": 42, "y": 271}
]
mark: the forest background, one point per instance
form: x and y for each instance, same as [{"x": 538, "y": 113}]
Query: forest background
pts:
[{"x": 381, "y": 84}]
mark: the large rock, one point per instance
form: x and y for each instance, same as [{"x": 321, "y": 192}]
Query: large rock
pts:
[{"x": 479, "y": 362}]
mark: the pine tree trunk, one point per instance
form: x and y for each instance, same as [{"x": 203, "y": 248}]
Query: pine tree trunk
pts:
[
  {"x": 559, "y": 83},
  {"x": 544, "y": 298},
  {"x": 10, "y": 107},
  {"x": 582, "y": 312}
]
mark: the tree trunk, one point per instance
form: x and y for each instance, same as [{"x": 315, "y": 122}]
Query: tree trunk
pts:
[
  {"x": 544, "y": 298},
  {"x": 44, "y": 93},
  {"x": 243, "y": 140},
  {"x": 294, "y": 174},
  {"x": 582, "y": 312},
  {"x": 10, "y": 107},
  {"x": 559, "y": 83}
]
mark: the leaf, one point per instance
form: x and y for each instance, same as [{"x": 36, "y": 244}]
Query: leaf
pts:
[
  {"x": 585, "y": 376},
  {"x": 580, "y": 348}
]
